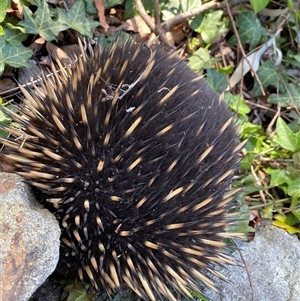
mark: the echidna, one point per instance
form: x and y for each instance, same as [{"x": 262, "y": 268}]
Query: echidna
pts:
[{"x": 135, "y": 154}]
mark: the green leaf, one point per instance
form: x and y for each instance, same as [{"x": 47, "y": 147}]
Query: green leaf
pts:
[
  {"x": 292, "y": 58},
  {"x": 285, "y": 137},
  {"x": 112, "y": 3},
  {"x": 217, "y": 81},
  {"x": 41, "y": 23},
  {"x": 226, "y": 69},
  {"x": 3, "y": 6},
  {"x": 279, "y": 177},
  {"x": 267, "y": 212},
  {"x": 14, "y": 26},
  {"x": 295, "y": 204},
  {"x": 130, "y": 10},
  {"x": 4, "y": 119},
  {"x": 290, "y": 4},
  {"x": 33, "y": 2},
  {"x": 194, "y": 44},
  {"x": 14, "y": 37},
  {"x": 296, "y": 159},
  {"x": 175, "y": 7},
  {"x": 201, "y": 59},
  {"x": 285, "y": 222},
  {"x": 78, "y": 292},
  {"x": 250, "y": 130},
  {"x": 294, "y": 169},
  {"x": 289, "y": 98},
  {"x": 259, "y": 5},
  {"x": 250, "y": 29},
  {"x": 237, "y": 104},
  {"x": 107, "y": 42},
  {"x": 294, "y": 187},
  {"x": 76, "y": 19},
  {"x": 15, "y": 56},
  {"x": 246, "y": 162},
  {"x": 211, "y": 26},
  {"x": 91, "y": 8},
  {"x": 269, "y": 77},
  {"x": 242, "y": 225},
  {"x": 196, "y": 21}
]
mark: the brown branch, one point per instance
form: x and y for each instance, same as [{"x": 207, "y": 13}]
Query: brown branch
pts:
[
  {"x": 158, "y": 28},
  {"x": 285, "y": 17},
  {"x": 142, "y": 12},
  {"x": 155, "y": 27},
  {"x": 242, "y": 49},
  {"x": 201, "y": 9}
]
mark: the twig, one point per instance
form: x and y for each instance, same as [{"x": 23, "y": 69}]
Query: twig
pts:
[
  {"x": 269, "y": 128},
  {"x": 285, "y": 17},
  {"x": 289, "y": 93},
  {"x": 142, "y": 12},
  {"x": 246, "y": 268},
  {"x": 194, "y": 12},
  {"x": 257, "y": 182},
  {"x": 155, "y": 27},
  {"x": 242, "y": 49},
  {"x": 159, "y": 30}
]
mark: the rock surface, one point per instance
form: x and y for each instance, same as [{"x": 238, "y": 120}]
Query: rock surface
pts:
[
  {"x": 273, "y": 263},
  {"x": 29, "y": 240}
]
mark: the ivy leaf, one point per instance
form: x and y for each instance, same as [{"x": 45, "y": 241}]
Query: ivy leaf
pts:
[
  {"x": 175, "y": 7},
  {"x": 250, "y": 28},
  {"x": 237, "y": 103},
  {"x": 15, "y": 56},
  {"x": 279, "y": 177},
  {"x": 294, "y": 187},
  {"x": 259, "y": 5},
  {"x": 78, "y": 292},
  {"x": 211, "y": 26},
  {"x": 217, "y": 81},
  {"x": 41, "y": 23},
  {"x": 285, "y": 136},
  {"x": 295, "y": 205},
  {"x": 12, "y": 24},
  {"x": 243, "y": 225},
  {"x": 290, "y": 98},
  {"x": 3, "y": 6},
  {"x": 201, "y": 59},
  {"x": 268, "y": 76},
  {"x": 76, "y": 19},
  {"x": 14, "y": 37}
]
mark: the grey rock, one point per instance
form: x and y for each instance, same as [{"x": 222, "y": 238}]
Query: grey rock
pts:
[
  {"x": 273, "y": 263},
  {"x": 29, "y": 240}
]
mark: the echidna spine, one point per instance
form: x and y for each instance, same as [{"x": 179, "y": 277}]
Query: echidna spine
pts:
[{"x": 135, "y": 154}]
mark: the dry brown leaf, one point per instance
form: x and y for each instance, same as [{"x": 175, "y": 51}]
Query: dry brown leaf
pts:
[
  {"x": 37, "y": 45},
  {"x": 6, "y": 84},
  {"x": 58, "y": 54},
  {"x": 137, "y": 24},
  {"x": 254, "y": 215},
  {"x": 176, "y": 34},
  {"x": 16, "y": 9},
  {"x": 101, "y": 14}
]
